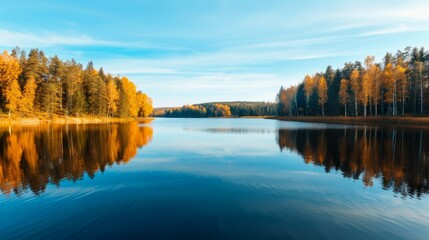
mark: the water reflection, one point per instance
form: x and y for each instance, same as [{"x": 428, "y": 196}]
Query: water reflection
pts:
[
  {"x": 398, "y": 157},
  {"x": 32, "y": 157}
]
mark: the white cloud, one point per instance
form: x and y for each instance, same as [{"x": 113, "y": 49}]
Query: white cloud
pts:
[
  {"x": 24, "y": 39},
  {"x": 43, "y": 39},
  {"x": 400, "y": 28}
]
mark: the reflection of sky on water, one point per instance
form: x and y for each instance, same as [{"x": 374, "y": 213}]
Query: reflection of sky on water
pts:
[{"x": 226, "y": 183}]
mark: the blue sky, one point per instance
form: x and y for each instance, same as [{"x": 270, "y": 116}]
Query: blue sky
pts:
[{"x": 182, "y": 52}]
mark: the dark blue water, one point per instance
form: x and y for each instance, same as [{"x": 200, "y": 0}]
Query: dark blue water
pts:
[{"x": 214, "y": 179}]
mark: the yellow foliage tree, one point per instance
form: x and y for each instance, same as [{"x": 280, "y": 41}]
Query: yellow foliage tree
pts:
[
  {"x": 354, "y": 82},
  {"x": 390, "y": 85},
  {"x": 29, "y": 95},
  {"x": 9, "y": 72},
  {"x": 112, "y": 98},
  {"x": 12, "y": 94},
  {"x": 222, "y": 110},
  {"x": 9, "y": 69},
  {"x": 343, "y": 95},
  {"x": 366, "y": 86},
  {"x": 129, "y": 107},
  {"x": 376, "y": 87},
  {"x": 322, "y": 92},
  {"x": 308, "y": 89},
  {"x": 144, "y": 104},
  {"x": 401, "y": 81}
]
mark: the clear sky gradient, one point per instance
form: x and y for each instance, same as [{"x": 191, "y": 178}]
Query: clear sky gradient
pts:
[{"x": 182, "y": 52}]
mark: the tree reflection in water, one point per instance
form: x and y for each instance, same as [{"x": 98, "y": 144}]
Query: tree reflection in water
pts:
[
  {"x": 397, "y": 156},
  {"x": 32, "y": 157}
]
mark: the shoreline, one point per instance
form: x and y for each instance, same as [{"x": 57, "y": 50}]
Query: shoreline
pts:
[
  {"x": 403, "y": 121},
  {"x": 33, "y": 121}
]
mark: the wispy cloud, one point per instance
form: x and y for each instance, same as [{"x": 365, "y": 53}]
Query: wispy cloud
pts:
[
  {"x": 400, "y": 28},
  {"x": 45, "y": 39},
  {"x": 228, "y": 60}
]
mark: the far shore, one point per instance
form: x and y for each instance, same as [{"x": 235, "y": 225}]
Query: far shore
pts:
[
  {"x": 408, "y": 121},
  {"x": 4, "y": 121}
]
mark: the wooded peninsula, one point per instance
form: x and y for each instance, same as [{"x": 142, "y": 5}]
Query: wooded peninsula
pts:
[
  {"x": 396, "y": 86},
  {"x": 36, "y": 86}
]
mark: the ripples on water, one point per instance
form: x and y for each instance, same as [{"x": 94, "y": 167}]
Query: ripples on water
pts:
[{"x": 214, "y": 178}]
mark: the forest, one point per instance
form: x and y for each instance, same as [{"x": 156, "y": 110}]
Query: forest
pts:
[
  {"x": 35, "y": 85},
  {"x": 219, "y": 109},
  {"x": 395, "y": 86}
]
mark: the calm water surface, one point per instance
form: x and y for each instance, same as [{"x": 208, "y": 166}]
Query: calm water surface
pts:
[{"x": 214, "y": 179}]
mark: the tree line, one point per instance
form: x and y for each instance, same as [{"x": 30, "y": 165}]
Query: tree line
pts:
[
  {"x": 395, "y": 86},
  {"x": 34, "y": 84},
  {"x": 220, "y": 109}
]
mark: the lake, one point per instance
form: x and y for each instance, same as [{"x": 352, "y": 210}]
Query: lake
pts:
[{"x": 214, "y": 179}]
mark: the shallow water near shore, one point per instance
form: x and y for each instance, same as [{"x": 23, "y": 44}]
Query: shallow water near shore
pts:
[{"x": 214, "y": 178}]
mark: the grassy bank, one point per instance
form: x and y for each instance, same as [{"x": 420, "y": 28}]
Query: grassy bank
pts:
[
  {"x": 4, "y": 121},
  {"x": 411, "y": 121}
]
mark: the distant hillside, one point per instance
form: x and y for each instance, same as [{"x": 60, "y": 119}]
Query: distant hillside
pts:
[{"x": 219, "y": 109}]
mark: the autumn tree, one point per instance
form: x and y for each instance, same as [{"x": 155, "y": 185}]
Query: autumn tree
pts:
[
  {"x": 366, "y": 86},
  {"x": 29, "y": 95},
  {"x": 390, "y": 85},
  {"x": 144, "y": 104},
  {"x": 72, "y": 88},
  {"x": 9, "y": 72},
  {"x": 322, "y": 92},
  {"x": 355, "y": 86},
  {"x": 399, "y": 74},
  {"x": 38, "y": 84},
  {"x": 308, "y": 88},
  {"x": 343, "y": 94},
  {"x": 281, "y": 102},
  {"x": 398, "y": 80},
  {"x": 286, "y": 100},
  {"x": 12, "y": 94},
  {"x": 112, "y": 98},
  {"x": 127, "y": 102},
  {"x": 376, "y": 87},
  {"x": 222, "y": 110}
]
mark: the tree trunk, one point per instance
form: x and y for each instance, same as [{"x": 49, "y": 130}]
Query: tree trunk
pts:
[
  {"x": 306, "y": 106},
  {"x": 382, "y": 105},
  {"x": 370, "y": 106},
  {"x": 356, "y": 110},
  {"x": 395, "y": 103},
  {"x": 403, "y": 101},
  {"x": 364, "y": 110},
  {"x": 421, "y": 94},
  {"x": 376, "y": 109},
  {"x": 345, "y": 110}
]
